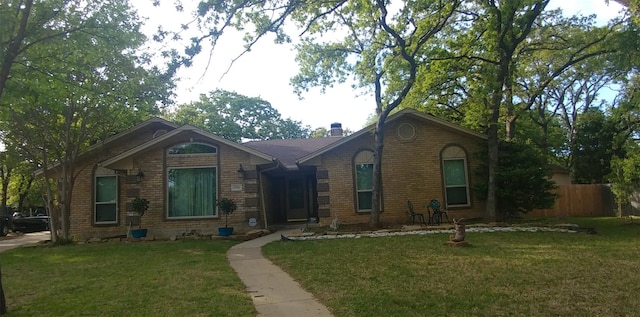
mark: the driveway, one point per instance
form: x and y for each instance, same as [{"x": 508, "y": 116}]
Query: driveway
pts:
[{"x": 15, "y": 240}]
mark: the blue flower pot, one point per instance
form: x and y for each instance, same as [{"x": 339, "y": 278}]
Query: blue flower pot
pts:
[
  {"x": 138, "y": 233},
  {"x": 225, "y": 231}
]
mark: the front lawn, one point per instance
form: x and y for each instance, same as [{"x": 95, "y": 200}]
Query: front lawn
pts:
[
  {"x": 500, "y": 274},
  {"x": 181, "y": 278}
]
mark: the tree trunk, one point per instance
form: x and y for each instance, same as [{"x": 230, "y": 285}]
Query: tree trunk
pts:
[
  {"x": 492, "y": 145},
  {"x": 619, "y": 213},
  {"x": 492, "y": 139},
  {"x": 23, "y": 193},
  {"x": 510, "y": 114},
  {"x": 4, "y": 176},
  {"x": 374, "y": 220},
  {"x": 65, "y": 195},
  {"x": 14, "y": 45},
  {"x": 5, "y": 191},
  {"x": 53, "y": 214},
  {"x": 3, "y": 300}
]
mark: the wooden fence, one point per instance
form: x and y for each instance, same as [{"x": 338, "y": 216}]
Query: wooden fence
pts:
[{"x": 580, "y": 200}]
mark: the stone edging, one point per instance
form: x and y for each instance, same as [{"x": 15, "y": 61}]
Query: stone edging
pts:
[{"x": 399, "y": 232}]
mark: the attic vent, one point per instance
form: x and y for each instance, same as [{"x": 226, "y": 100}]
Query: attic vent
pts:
[
  {"x": 159, "y": 133},
  {"x": 406, "y": 131}
]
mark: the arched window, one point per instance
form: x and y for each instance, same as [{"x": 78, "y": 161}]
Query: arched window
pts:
[
  {"x": 456, "y": 183},
  {"x": 363, "y": 167},
  {"x": 192, "y": 148}
]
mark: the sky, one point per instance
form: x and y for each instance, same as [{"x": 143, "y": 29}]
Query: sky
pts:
[{"x": 266, "y": 70}]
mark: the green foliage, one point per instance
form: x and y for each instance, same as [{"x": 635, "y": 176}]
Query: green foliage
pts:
[
  {"x": 545, "y": 131},
  {"x": 76, "y": 77},
  {"x": 24, "y": 188},
  {"x": 227, "y": 206},
  {"x": 488, "y": 63},
  {"x": 237, "y": 117},
  {"x": 523, "y": 179},
  {"x": 140, "y": 205},
  {"x": 320, "y": 133},
  {"x": 625, "y": 175},
  {"x": 594, "y": 147}
]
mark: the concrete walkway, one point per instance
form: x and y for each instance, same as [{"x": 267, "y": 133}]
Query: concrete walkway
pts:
[
  {"x": 274, "y": 292},
  {"x": 14, "y": 241}
]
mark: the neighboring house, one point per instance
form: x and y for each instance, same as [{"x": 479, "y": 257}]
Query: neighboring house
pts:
[
  {"x": 183, "y": 170},
  {"x": 561, "y": 175}
]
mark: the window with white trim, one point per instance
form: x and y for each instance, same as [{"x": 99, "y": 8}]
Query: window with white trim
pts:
[
  {"x": 191, "y": 192},
  {"x": 454, "y": 171},
  {"x": 363, "y": 166},
  {"x": 105, "y": 199}
]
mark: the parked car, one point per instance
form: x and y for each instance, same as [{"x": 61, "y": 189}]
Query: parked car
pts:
[{"x": 22, "y": 223}]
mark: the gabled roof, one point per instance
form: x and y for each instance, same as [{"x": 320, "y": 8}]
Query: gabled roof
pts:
[
  {"x": 288, "y": 151},
  {"x": 394, "y": 117},
  {"x": 126, "y": 133},
  {"x": 135, "y": 129},
  {"x": 186, "y": 128}
]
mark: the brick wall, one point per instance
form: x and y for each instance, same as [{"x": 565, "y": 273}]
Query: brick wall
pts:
[
  {"x": 154, "y": 164},
  {"x": 411, "y": 171}
]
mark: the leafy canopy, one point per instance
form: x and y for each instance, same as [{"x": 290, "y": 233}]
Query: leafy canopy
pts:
[{"x": 237, "y": 117}]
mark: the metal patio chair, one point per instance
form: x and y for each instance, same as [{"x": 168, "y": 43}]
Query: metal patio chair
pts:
[
  {"x": 436, "y": 212},
  {"x": 413, "y": 215}
]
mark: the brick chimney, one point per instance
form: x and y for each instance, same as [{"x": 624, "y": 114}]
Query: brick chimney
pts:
[{"x": 336, "y": 129}]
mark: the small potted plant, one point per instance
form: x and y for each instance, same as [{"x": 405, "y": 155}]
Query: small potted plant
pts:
[
  {"x": 226, "y": 206},
  {"x": 140, "y": 206}
]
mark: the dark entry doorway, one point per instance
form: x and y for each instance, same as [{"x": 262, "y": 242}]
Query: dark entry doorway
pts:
[
  {"x": 293, "y": 198},
  {"x": 297, "y": 199}
]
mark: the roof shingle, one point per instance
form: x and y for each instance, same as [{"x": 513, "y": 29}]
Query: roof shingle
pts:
[{"x": 288, "y": 151}]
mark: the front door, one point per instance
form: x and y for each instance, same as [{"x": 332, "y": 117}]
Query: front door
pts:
[{"x": 297, "y": 207}]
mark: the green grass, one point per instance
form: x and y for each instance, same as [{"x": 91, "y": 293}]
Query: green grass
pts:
[
  {"x": 500, "y": 274},
  {"x": 182, "y": 278}
]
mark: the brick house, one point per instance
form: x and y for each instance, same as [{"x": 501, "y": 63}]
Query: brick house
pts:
[{"x": 182, "y": 170}]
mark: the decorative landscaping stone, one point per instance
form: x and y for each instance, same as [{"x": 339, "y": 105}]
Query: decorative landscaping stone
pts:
[
  {"x": 411, "y": 227},
  {"x": 258, "y": 232},
  {"x": 388, "y": 233}
]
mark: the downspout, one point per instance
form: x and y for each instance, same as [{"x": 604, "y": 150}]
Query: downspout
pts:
[{"x": 264, "y": 207}]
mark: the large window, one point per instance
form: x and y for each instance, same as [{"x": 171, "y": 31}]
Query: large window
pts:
[
  {"x": 456, "y": 184},
  {"x": 364, "y": 180},
  {"x": 106, "y": 198},
  {"x": 191, "y": 192}
]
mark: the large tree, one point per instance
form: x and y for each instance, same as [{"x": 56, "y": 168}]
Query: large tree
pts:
[
  {"x": 500, "y": 62},
  {"x": 504, "y": 26},
  {"x": 65, "y": 92},
  {"x": 380, "y": 46},
  {"x": 625, "y": 175},
  {"x": 237, "y": 117},
  {"x": 523, "y": 179}
]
